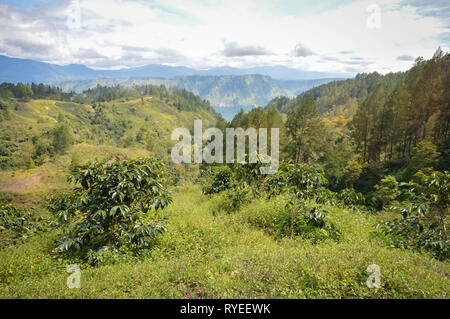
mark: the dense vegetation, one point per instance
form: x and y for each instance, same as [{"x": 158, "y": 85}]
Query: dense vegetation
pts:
[{"x": 364, "y": 179}]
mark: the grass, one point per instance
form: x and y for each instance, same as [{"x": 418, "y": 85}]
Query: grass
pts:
[{"x": 206, "y": 255}]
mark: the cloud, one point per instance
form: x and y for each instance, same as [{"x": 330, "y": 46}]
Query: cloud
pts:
[
  {"x": 301, "y": 51},
  {"x": 233, "y": 49},
  {"x": 90, "y": 54},
  {"x": 24, "y": 46},
  {"x": 330, "y": 58},
  {"x": 433, "y": 8},
  {"x": 360, "y": 63},
  {"x": 405, "y": 57},
  {"x": 197, "y": 34}
]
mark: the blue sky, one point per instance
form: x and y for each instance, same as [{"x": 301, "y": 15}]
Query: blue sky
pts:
[{"x": 340, "y": 36}]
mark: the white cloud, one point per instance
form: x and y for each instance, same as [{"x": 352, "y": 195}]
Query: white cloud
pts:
[{"x": 237, "y": 33}]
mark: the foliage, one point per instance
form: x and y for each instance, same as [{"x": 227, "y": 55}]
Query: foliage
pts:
[
  {"x": 298, "y": 179},
  {"x": 221, "y": 180},
  {"x": 62, "y": 139},
  {"x": 17, "y": 224},
  {"x": 110, "y": 206},
  {"x": 425, "y": 158},
  {"x": 387, "y": 190},
  {"x": 233, "y": 199},
  {"x": 308, "y": 137},
  {"x": 425, "y": 214},
  {"x": 250, "y": 174}
]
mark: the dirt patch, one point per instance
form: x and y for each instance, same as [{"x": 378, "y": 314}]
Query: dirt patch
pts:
[
  {"x": 193, "y": 292},
  {"x": 20, "y": 184}
]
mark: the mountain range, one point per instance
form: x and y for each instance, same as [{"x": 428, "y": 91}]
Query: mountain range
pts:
[
  {"x": 22, "y": 70},
  {"x": 224, "y": 86},
  {"x": 222, "y": 91}
]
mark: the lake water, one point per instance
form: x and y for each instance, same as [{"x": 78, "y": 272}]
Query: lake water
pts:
[{"x": 229, "y": 112}]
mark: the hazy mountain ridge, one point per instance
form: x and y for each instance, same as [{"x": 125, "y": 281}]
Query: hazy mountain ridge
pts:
[
  {"x": 23, "y": 70},
  {"x": 225, "y": 91},
  {"x": 224, "y": 86}
]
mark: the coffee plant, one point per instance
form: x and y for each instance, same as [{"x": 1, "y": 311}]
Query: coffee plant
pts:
[
  {"x": 17, "y": 224},
  {"x": 425, "y": 213},
  {"x": 112, "y": 205}
]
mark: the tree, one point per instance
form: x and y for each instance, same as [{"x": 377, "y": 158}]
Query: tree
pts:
[
  {"x": 23, "y": 91},
  {"x": 300, "y": 182},
  {"x": 425, "y": 158},
  {"x": 425, "y": 213},
  {"x": 307, "y": 132},
  {"x": 221, "y": 180},
  {"x": 109, "y": 206},
  {"x": 340, "y": 165},
  {"x": 370, "y": 123},
  {"x": 62, "y": 139},
  {"x": 352, "y": 171},
  {"x": 387, "y": 190}
]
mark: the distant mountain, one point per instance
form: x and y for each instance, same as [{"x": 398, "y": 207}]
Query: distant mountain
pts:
[
  {"x": 222, "y": 91},
  {"x": 27, "y": 71},
  {"x": 20, "y": 70}
]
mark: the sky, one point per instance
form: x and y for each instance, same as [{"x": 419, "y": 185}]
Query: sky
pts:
[{"x": 339, "y": 36}]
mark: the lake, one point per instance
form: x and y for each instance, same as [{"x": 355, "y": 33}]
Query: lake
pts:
[{"x": 229, "y": 112}]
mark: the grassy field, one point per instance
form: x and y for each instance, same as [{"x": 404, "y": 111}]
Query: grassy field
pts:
[{"x": 210, "y": 254}]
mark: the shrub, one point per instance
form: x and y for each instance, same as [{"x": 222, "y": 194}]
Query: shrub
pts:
[
  {"x": 233, "y": 199},
  {"x": 424, "y": 215},
  {"x": 221, "y": 179},
  {"x": 17, "y": 224},
  {"x": 62, "y": 139},
  {"x": 111, "y": 206},
  {"x": 387, "y": 190},
  {"x": 300, "y": 181}
]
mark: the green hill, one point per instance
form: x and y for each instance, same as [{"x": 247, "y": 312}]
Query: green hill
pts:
[
  {"x": 339, "y": 97},
  {"x": 40, "y": 139}
]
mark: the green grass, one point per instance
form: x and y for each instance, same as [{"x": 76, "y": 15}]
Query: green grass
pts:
[{"x": 206, "y": 255}]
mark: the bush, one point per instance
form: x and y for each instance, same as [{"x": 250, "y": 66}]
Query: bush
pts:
[
  {"x": 221, "y": 179},
  {"x": 62, "y": 139},
  {"x": 111, "y": 207},
  {"x": 310, "y": 224},
  {"x": 17, "y": 224},
  {"x": 233, "y": 199},
  {"x": 424, "y": 215},
  {"x": 387, "y": 190}
]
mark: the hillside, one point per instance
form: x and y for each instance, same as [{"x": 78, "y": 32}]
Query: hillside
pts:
[
  {"x": 339, "y": 97},
  {"x": 220, "y": 91},
  {"x": 130, "y": 127}
]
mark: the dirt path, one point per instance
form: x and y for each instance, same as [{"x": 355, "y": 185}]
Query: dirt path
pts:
[{"x": 20, "y": 184}]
